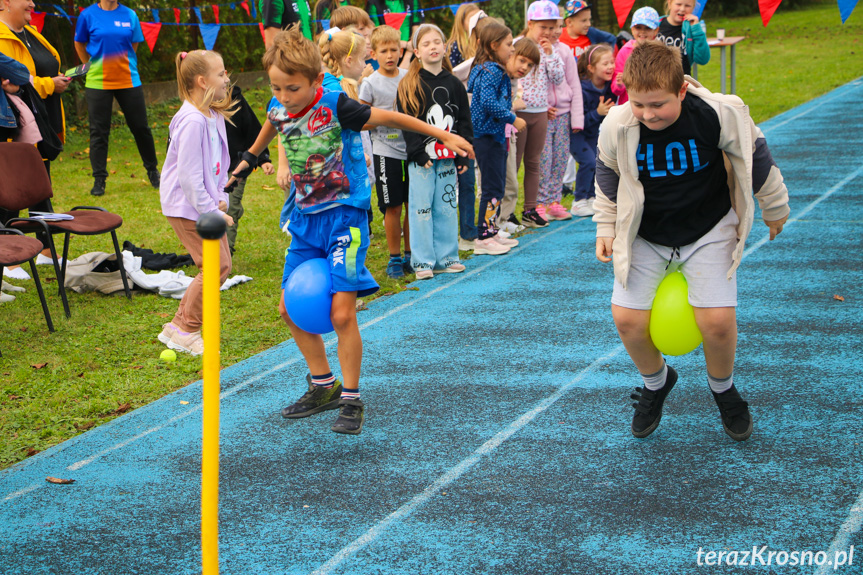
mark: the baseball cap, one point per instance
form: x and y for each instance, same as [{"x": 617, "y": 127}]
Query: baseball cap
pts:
[
  {"x": 573, "y": 7},
  {"x": 543, "y": 10},
  {"x": 646, "y": 16}
]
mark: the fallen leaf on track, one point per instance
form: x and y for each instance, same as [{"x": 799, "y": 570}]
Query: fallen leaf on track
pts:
[
  {"x": 838, "y": 297},
  {"x": 59, "y": 481}
]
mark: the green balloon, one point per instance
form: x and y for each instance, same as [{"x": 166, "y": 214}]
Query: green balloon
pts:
[{"x": 672, "y": 320}]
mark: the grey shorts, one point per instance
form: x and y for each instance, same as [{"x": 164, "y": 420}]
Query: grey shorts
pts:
[{"x": 704, "y": 263}]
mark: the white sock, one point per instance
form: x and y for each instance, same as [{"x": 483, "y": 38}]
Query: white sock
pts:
[
  {"x": 656, "y": 380},
  {"x": 720, "y": 385}
]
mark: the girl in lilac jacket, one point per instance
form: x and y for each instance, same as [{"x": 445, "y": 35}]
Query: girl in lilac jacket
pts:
[{"x": 193, "y": 180}]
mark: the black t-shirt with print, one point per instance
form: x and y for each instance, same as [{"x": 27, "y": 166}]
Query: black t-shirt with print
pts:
[
  {"x": 673, "y": 36},
  {"x": 683, "y": 173}
]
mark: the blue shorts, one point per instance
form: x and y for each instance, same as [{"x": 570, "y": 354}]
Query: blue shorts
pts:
[{"x": 339, "y": 234}]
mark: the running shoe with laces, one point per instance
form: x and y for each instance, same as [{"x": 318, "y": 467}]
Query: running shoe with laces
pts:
[
  {"x": 191, "y": 342},
  {"x": 351, "y": 417},
  {"x": 557, "y": 212},
  {"x": 450, "y": 269},
  {"x": 315, "y": 400},
  {"x": 489, "y": 247},
  {"x": 736, "y": 418},
  {"x": 505, "y": 240},
  {"x": 540, "y": 209},
  {"x": 648, "y": 406},
  {"x": 531, "y": 219}
]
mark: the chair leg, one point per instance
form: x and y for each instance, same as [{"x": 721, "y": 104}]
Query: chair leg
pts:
[
  {"x": 122, "y": 267},
  {"x": 61, "y": 281},
  {"x": 41, "y": 295}
]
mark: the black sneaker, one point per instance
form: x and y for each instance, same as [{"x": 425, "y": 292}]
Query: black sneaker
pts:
[
  {"x": 531, "y": 219},
  {"x": 513, "y": 220},
  {"x": 351, "y": 417},
  {"x": 154, "y": 177},
  {"x": 648, "y": 406},
  {"x": 736, "y": 418},
  {"x": 315, "y": 400},
  {"x": 98, "y": 187}
]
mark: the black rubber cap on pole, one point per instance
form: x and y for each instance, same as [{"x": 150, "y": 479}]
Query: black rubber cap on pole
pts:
[{"x": 211, "y": 226}]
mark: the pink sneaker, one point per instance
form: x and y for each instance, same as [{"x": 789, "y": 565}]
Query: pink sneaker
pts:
[
  {"x": 489, "y": 247},
  {"x": 508, "y": 242},
  {"x": 540, "y": 209},
  {"x": 557, "y": 212}
]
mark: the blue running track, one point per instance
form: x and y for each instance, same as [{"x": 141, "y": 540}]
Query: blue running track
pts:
[{"x": 497, "y": 435}]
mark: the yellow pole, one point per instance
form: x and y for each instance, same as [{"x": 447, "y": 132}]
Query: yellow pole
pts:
[{"x": 211, "y": 227}]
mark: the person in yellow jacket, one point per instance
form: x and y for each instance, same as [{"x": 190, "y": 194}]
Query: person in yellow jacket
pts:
[{"x": 22, "y": 42}]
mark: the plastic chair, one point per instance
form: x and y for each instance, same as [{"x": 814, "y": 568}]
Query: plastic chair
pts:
[
  {"x": 25, "y": 183},
  {"x": 15, "y": 249}
]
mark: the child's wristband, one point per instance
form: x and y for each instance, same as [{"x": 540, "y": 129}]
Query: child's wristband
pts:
[{"x": 250, "y": 159}]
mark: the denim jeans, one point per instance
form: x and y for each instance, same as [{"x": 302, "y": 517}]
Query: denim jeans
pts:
[
  {"x": 466, "y": 201},
  {"x": 433, "y": 215},
  {"x": 492, "y": 157}
]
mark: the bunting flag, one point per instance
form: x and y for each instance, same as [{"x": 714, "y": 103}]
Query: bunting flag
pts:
[
  {"x": 37, "y": 20},
  {"x": 245, "y": 6},
  {"x": 155, "y": 12},
  {"x": 215, "y": 8},
  {"x": 254, "y": 13},
  {"x": 845, "y": 8},
  {"x": 395, "y": 19},
  {"x": 767, "y": 8},
  {"x": 454, "y": 8},
  {"x": 177, "y": 15},
  {"x": 699, "y": 8},
  {"x": 622, "y": 8},
  {"x": 151, "y": 33},
  {"x": 325, "y": 24},
  {"x": 198, "y": 14},
  {"x": 261, "y": 28},
  {"x": 209, "y": 32},
  {"x": 63, "y": 13}
]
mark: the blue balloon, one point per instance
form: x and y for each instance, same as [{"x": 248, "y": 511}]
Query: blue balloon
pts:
[{"x": 309, "y": 298}]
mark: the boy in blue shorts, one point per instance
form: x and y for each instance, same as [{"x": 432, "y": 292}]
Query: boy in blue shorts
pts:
[
  {"x": 674, "y": 174},
  {"x": 320, "y": 133}
]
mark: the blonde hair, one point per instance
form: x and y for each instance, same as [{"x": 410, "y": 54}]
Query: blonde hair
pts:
[
  {"x": 293, "y": 53},
  {"x": 191, "y": 65},
  {"x": 668, "y": 5},
  {"x": 345, "y": 16},
  {"x": 591, "y": 57},
  {"x": 335, "y": 48},
  {"x": 410, "y": 94},
  {"x": 385, "y": 35},
  {"x": 459, "y": 35},
  {"x": 653, "y": 66}
]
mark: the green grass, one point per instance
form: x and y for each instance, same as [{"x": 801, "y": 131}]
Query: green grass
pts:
[{"x": 104, "y": 361}]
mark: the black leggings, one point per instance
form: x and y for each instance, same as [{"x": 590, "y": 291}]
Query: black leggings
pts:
[{"x": 131, "y": 100}]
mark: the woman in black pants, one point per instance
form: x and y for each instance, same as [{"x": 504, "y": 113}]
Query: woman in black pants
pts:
[{"x": 107, "y": 36}]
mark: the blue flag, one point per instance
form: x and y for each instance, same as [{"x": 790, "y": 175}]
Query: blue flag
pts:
[
  {"x": 699, "y": 8},
  {"x": 155, "y": 12},
  {"x": 845, "y": 8},
  {"x": 209, "y": 32}
]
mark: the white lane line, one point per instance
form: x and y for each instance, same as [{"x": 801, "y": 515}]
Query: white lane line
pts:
[
  {"x": 328, "y": 343},
  {"x": 843, "y": 538},
  {"x": 455, "y": 472},
  {"x": 802, "y": 213},
  {"x": 818, "y": 103}
]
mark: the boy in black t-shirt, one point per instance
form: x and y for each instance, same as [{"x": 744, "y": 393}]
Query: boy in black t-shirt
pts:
[{"x": 684, "y": 202}]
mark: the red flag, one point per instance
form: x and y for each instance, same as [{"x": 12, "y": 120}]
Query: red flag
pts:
[
  {"x": 37, "y": 20},
  {"x": 767, "y": 8},
  {"x": 151, "y": 33},
  {"x": 216, "y": 12},
  {"x": 245, "y": 6},
  {"x": 261, "y": 28},
  {"x": 177, "y": 15},
  {"x": 622, "y": 8},
  {"x": 395, "y": 19}
]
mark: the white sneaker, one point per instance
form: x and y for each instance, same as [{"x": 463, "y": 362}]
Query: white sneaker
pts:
[
  {"x": 46, "y": 261},
  {"x": 9, "y": 287},
  {"x": 502, "y": 234},
  {"x": 581, "y": 209},
  {"x": 16, "y": 273},
  {"x": 489, "y": 247},
  {"x": 511, "y": 228},
  {"x": 465, "y": 245},
  {"x": 425, "y": 275},
  {"x": 505, "y": 240},
  {"x": 5, "y": 297}
]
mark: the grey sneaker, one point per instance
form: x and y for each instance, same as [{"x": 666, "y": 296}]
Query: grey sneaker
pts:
[
  {"x": 351, "y": 417},
  {"x": 315, "y": 400}
]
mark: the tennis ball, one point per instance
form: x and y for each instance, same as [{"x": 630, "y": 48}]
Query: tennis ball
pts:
[{"x": 168, "y": 355}]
